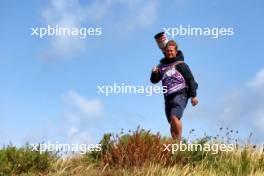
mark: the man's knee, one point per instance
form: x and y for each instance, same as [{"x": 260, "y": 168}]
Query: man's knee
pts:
[{"x": 175, "y": 120}]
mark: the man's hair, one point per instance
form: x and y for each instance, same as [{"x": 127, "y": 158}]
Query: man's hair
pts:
[{"x": 172, "y": 43}]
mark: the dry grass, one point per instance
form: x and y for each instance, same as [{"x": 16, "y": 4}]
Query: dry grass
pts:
[{"x": 141, "y": 153}]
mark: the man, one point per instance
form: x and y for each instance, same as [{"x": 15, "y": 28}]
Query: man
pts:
[{"x": 180, "y": 85}]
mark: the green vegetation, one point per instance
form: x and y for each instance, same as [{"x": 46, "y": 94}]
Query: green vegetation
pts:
[
  {"x": 135, "y": 153},
  {"x": 17, "y": 161}
]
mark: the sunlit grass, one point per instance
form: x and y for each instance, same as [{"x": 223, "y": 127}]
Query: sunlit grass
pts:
[{"x": 138, "y": 153}]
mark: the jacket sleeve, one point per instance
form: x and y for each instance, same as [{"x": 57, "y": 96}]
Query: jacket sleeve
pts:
[
  {"x": 189, "y": 79},
  {"x": 155, "y": 77}
]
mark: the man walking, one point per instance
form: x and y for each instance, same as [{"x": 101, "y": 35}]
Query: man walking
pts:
[{"x": 180, "y": 85}]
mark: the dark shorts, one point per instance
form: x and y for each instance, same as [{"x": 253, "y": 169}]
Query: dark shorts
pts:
[{"x": 175, "y": 106}]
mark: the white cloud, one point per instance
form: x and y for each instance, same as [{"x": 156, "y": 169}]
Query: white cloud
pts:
[
  {"x": 114, "y": 15},
  {"x": 258, "y": 82},
  {"x": 77, "y": 136},
  {"x": 244, "y": 107},
  {"x": 240, "y": 108},
  {"x": 85, "y": 108},
  {"x": 142, "y": 15},
  {"x": 181, "y": 4},
  {"x": 259, "y": 120},
  {"x": 79, "y": 117},
  {"x": 231, "y": 107}
]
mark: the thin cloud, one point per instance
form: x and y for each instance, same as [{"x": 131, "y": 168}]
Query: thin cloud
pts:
[
  {"x": 86, "y": 108},
  {"x": 258, "y": 82},
  {"x": 78, "y": 115},
  {"x": 131, "y": 15},
  {"x": 240, "y": 108},
  {"x": 246, "y": 106}
]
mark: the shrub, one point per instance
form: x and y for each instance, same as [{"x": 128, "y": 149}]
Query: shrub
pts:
[{"x": 15, "y": 161}]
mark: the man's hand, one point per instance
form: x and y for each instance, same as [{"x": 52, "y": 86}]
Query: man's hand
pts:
[
  {"x": 155, "y": 69},
  {"x": 194, "y": 101}
]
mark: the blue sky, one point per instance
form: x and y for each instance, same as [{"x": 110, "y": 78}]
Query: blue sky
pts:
[{"x": 49, "y": 86}]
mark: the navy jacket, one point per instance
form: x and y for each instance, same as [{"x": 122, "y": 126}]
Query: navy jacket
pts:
[{"x": 184, "y": 69}]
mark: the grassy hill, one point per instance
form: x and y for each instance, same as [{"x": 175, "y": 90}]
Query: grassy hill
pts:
[{"x": 137, "y": 153}]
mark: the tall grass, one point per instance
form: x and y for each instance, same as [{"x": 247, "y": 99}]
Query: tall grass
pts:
[{"x": 136, "y": 153}]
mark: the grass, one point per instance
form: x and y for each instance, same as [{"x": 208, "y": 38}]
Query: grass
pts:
[{"x": 136, "y": 153}]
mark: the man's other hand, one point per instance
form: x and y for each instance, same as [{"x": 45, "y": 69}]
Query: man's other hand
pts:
[{"x": 194, "y": 101}]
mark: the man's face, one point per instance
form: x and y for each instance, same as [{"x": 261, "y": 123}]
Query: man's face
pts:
[{"x": 170, "y": 52}]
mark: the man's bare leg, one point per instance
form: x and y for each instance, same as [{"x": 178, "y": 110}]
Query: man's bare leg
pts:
[
  {"x": 176, "y": 128},
  {"x": 173, "y": 134}
]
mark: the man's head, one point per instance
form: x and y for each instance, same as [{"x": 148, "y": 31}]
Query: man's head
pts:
[{"x": 171, "y": 49}]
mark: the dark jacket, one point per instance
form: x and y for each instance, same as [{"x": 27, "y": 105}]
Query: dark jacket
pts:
[{"x": 184, "y": 69}]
